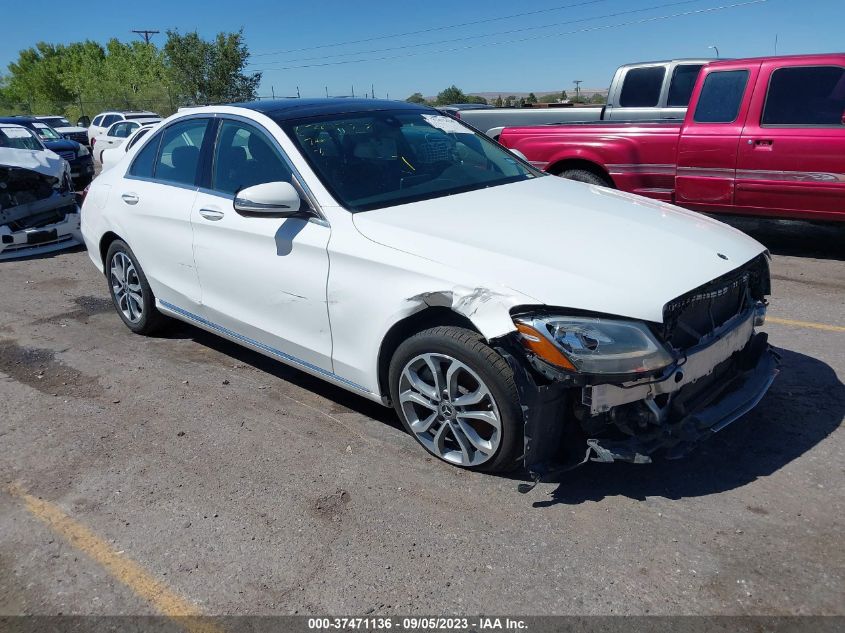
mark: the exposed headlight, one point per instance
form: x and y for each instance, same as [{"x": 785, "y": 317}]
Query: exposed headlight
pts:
[
  {"x": 82, "y": 151},
  {"x": 594, "y": 345}
]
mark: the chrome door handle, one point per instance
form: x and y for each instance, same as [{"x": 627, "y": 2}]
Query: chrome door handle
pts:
[
  {"x": 130, "y": 198},
  {"x": 211, "y": 214}
]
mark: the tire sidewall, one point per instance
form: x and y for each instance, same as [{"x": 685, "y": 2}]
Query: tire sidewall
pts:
[
  {"x": 142, "y": 325},
  {"x": 506, "y": 399}
]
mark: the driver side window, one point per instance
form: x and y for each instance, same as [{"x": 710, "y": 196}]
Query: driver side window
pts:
[{"x": 243, "y": 157}]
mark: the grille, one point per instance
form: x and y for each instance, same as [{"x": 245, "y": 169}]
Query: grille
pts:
[
  {"x": 67, "y": 155},
  {"x": 694, "y": 315}
]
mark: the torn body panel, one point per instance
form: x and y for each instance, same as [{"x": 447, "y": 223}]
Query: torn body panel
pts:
[{"x": 38, "y": 210}]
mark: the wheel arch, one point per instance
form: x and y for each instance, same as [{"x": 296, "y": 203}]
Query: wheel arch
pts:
[
  {"x": 401, "y": 330},
  {"x": 105, "y": 242},
  {"x": 560, "y": 166}
]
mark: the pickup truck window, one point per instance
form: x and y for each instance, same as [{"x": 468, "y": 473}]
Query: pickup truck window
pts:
[
  {"x": 721, "y": 96},
  {"x": 642, "y": 87},
  {"x": 806, "y": 95},
  {"x": 683, "y": 81}
]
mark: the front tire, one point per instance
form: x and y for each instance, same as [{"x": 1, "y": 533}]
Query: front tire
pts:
[
  {"x": 130, "y": 292},
  {"x": 457, "y": 397}
]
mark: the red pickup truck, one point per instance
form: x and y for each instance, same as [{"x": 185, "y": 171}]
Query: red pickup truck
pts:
[{"x": 761, "y": 137}]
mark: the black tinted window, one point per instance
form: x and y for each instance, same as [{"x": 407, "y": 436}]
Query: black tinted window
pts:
[
  {"x": 137, "y": 138},
  {"x": 721, "y": 96},
  {"x": 683, "y": 81},
  {"x": 642, "y": 87},
  {"x": 144, "y": 162},
  {"x": 810, "y": 95},
  {"x": 180, "y": 151},
  {"x": 245, "y": 157}
]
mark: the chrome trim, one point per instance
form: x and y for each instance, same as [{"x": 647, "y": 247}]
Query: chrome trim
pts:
[
  {"x": 642, "y": 168},
  {"x": 261, "y": 347},
  {"x": 790, "y": 176}
]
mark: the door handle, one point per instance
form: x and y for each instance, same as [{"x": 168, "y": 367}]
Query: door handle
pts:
[
  {"x": 764, "y": 143},
  {"x": 211, "y": 214},
  {"x": 130, "y": 198}
]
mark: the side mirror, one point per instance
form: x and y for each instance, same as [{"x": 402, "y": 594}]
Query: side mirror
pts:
[{"x": 274, "y": 199}]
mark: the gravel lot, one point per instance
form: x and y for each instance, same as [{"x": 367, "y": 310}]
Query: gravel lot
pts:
[{"x": 243, "y": 486}]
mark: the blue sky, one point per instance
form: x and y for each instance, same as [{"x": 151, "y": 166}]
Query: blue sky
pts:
[{"x": 543, "y": 51}]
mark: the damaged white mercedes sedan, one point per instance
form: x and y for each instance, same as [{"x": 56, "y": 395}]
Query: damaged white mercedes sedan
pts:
[
  {"x": 509, "y": 317},
  {"x": 38, "y": 210}
]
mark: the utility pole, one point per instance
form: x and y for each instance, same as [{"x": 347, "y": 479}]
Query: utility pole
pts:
[
  {"x": 715, "y": 48},
  {"x": 147, "y": 33},
  {"x": 373, "y": 91},
  {"x": 578, "y": 83}
]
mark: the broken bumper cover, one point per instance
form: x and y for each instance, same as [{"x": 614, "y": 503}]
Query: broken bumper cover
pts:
[
  {"x": 42, "y": 239},
  {"x": 722, "y": 405}
]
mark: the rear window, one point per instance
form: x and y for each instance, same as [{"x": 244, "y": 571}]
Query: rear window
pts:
[
  {"x": 683, "y": 81},
  {"x": 807, "y": 95},
  {"x": 721, "y": 96},
  {"x": 642, "y": 87}
]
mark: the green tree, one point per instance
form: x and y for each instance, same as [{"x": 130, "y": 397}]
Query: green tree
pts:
[
  {"x": 416, "y": 98},
  {"x": 452, "y": 94},
  {"x": 498, "y": 102},
  {"x": 510, "y": 100},
  {"x": 564, "y": 96},
  {"x": 202, "y": 71},
  {"x": 598, "y": 98},
  {"x": 532, "y": 98}
]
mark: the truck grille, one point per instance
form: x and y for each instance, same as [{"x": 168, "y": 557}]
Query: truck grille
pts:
[
  {"x": 694, "y": 315},
  {"x": 68, "y": 156}
]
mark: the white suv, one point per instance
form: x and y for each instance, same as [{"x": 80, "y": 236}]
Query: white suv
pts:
[
  {"x": 105, "y": 120},
  {"x": 507, "y": 315}
]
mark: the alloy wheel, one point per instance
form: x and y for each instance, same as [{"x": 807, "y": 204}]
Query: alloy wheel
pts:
[
  {"x": 450, "y": 410},
  {"x": 126, "y": 287}
]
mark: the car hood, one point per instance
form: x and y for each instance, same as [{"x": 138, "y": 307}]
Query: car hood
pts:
[
  {"x": 43, "y": 162},
  {"x": 71, "y": 130},
  {"x": 64, "y": 145},
  {"x": 567, "y": 244}
]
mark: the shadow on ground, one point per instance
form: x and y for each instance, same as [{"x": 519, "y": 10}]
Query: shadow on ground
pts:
[
  {"x": 805, "y": 405},
  {"x": 793, "y": 238}
]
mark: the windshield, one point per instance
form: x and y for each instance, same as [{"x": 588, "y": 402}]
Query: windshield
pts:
[
  {"x": 45, "y": 132},
  {"x": 380, "y": 159},
  {"x": 18, "y": 138},
  {"x": 57, "y": 122}
]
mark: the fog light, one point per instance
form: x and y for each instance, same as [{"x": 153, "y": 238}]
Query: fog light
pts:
[{"x": 759, "y": 314}]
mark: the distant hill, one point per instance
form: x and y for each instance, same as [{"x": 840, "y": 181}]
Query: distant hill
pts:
[{"x": 585, "y": 92}]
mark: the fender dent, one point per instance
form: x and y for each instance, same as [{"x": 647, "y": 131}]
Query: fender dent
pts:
[{"x": 488, "y": 310}]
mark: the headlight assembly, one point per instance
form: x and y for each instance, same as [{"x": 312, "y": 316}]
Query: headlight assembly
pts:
[
  {"x": 83, "y": 151},
  {"x": 593, "y": 345}
]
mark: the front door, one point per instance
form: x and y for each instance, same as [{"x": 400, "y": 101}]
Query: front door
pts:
[
  {"x": 263, "y": 279},
  {"x": 792, "y": 152}
]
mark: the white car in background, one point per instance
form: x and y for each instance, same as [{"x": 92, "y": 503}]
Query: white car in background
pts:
[
  {"x": 508, "y": 316},
  {"x": 110, "y": 157},
  {"x": 66, "y": 128},
  {"x": 117, "y": 134},
  {"x": 105, "y": 120}
]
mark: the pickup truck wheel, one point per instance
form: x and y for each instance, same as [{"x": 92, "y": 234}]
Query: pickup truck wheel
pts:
[
  {"x": 457, "y": 397},
  {"x": 131, "y": 294},
  {"x": 582, "y": 175}
]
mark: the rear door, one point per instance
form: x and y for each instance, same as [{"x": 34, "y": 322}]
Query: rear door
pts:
[
  {"x": 681, "y": 85},
  {"x": 792, "y": 151},
  {"x": 707, "y": 148},
  {"x": 157, "y": 195}
]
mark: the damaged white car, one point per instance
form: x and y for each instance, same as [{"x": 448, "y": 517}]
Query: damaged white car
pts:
[
  {"x": 38, "y": 210},
  {"x": 509, "y": 317}
]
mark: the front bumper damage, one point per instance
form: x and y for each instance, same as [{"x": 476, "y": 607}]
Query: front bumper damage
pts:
[
  {"x": 38, "y": 212},
  {"x": 569, "y": 422}
]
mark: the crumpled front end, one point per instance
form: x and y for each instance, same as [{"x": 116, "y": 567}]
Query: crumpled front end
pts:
[
  {"x": 38, "y": 209},
  {"x": 721, "y": 369}
]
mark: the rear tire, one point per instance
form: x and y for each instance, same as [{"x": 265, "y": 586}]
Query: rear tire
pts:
[
  {"x": 468, "y": 413},
  {"x": 582, "y": 175},
  {"x": 130, "y": 292}
]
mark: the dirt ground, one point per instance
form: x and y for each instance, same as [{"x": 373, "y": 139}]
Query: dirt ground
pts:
[{"x": 242, "y": 486}]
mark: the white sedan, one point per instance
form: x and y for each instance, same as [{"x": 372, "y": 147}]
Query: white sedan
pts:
[
  {"x": 111, "y": 156},
  {"x": 507, "y": 316},
  {"x": 117, "y": 134}
]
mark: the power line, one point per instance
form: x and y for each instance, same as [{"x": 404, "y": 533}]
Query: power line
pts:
[
  {"x": 430, "y": 30},
  {"x": 508, "y": 32},
  {"x": 524, "y": 39}
]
